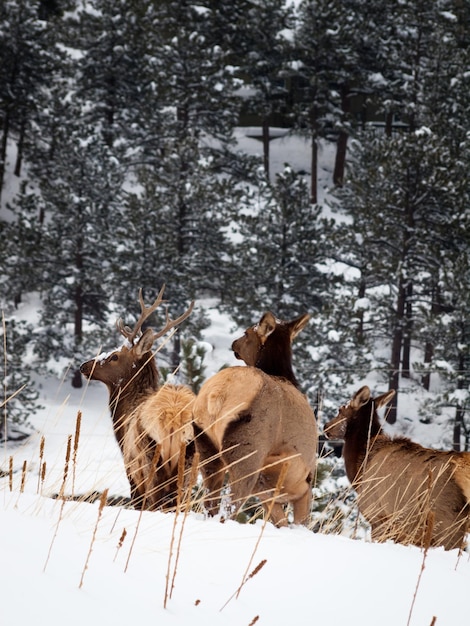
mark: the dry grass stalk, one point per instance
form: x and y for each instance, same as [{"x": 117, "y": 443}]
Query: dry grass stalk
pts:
[
  {"x": 61, "y": 497},
  {"x": 409, "y": 522},
  {"x": 179, "y": 494},
  {"x": 41, "y": 458},
  {"x": 103, "y": 498},
  {"x": 426, "y": 542},
  {"x": 150, "y": 477},
  {"x": 121, "y": 541},
  {"x": 276, "y": 494},
  {"x": 191, "y": 482},
  {"x": 76, "y": 439}
]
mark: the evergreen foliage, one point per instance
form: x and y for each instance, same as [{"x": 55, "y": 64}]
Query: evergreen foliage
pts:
[
  {"x": 19, "y": 395},
  {"x": 123, "y": 117}
]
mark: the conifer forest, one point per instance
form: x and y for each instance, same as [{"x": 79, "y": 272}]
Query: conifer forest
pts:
[{"x": 120, "y": 170}]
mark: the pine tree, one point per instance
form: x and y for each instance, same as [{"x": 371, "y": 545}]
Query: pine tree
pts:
[
  {"x": 29, "y": 57},
  {"x": 19, "y": 396},
  {"x": 277, "y": 258},
  {"x": 260, "y": 54},
  {"x": 332, "y": 61}
]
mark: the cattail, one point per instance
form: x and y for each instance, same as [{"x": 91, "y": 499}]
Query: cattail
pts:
[
  {"x": 260, "y": 566},
  {"x": 75, "y": 447},
  {"x": 41, "y": 457},
  {"x": 254, "y": 620},
  {"x": 121, "y": 541},
  {"x": 43, "y": 474},
  {"x": 23, "y": 476},
  {"x": 66, "y": 466},
  {"x": 10, "y": 473}
]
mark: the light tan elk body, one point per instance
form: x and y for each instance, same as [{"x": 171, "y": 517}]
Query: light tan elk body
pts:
[
  {"x": 408, "y": 493},
  {"x": 144, "y": 413},
  {"x": 249, "y": 423}
]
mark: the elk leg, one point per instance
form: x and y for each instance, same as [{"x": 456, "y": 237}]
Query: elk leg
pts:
[
  {"x": 302, "y": 507},
  {"x": 212, "y": 469},
  {"x": 278, "y": 515},
  {"x": 243, "y": 461}
]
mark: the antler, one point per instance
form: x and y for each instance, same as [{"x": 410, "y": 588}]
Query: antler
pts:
[
  {"x": 172, "y": 323},
  {"x": 131, "y": 333}
]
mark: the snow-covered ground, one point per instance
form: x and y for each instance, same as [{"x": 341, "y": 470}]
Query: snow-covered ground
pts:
[{"x": 62, "y": 562}]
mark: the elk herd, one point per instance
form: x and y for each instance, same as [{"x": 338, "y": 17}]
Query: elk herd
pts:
[{"x": 250, "y": 432}]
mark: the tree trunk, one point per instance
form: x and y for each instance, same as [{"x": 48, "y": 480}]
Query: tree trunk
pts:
[
  {"x": 314, "y": 167},
  {"x": 19, "y": 153},
  {"x": 406, "y": 354},
  {"x": 458, "y": 422},
  {"x": 266, "y": 146},
  {"x": 389, "y": 124},
  {"x": 78, "y": 298},
  {"x": 3, "y": 148},
  {"x": 342, "y": 142},
  {"x": 397, "y": 344},
  {"x": 314, "y": 163},
  {"x": 175, "y": 355},
  {"x": 360, "y": 314},
  {"x": 428, "y": 354},
  {"x": 77, "y": 381}
]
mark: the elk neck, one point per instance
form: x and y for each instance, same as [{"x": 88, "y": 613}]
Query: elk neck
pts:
[
  {"x": 361, "y": 432},
  {"x": 276, "y": 362},
  {"x": 131, "y": 391}
]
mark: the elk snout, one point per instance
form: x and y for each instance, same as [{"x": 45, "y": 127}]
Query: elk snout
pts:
[
  {"x": 87, "y": 368},
  {"x": 334, "y": 429},
  {"x": 234, "y": 349}
]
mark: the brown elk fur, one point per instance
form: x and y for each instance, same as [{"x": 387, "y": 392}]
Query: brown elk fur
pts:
[
  {"x": 250, "y": 423},
  {"x": 150, "y": 421},
  {"x": 408, "y": 493}
]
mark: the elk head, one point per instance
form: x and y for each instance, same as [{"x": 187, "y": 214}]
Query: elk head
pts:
[
  {"x": 117, "y": 368},
  {"x": 359, "y": 414},
  {"x": 268, "y": 345}
]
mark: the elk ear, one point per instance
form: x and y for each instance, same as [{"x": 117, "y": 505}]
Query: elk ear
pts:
[
  {"x": 384, "y": 398},
  {"x": 265, "y": 326},
  {"x": 361, "y": 397},
  {"x": 298, "y": 324},
  {"x": 145, "y": 342}
]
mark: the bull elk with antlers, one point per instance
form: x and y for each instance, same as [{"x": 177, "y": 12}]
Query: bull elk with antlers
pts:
[
  {"x": 253, "y": 423},
  {"x": 151, "y": 422},
  {"x": 408, "y": 493}
]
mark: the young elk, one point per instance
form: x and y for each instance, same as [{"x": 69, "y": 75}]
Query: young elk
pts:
[
  {"x": 150, "y": 421},
  {"x": 408, "y": 493},
  {"x": 253, "y": 421}
]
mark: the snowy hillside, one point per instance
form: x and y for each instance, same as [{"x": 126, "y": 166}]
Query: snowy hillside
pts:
[
  {"x": 62, "y": 561},
  {"x": 69, "y": 562}
]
